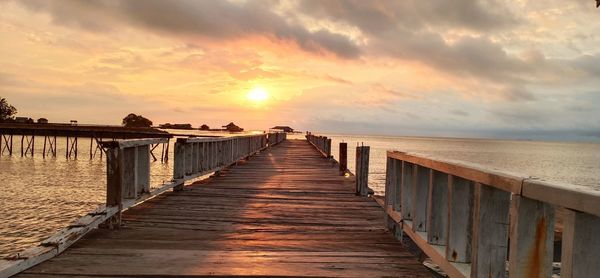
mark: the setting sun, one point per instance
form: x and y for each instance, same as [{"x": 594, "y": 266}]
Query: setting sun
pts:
[{"x": 258, "y": 95}]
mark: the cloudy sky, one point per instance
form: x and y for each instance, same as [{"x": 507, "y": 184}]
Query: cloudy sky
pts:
[{"x": 521, "y": 68}]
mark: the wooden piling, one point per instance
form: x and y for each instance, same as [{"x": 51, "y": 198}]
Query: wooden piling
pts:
[
  {"x": 343, "y": 157},
  {"x": 362, "y": 170}
]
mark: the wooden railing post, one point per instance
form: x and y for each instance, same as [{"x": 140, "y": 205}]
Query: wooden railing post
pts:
[
  {"x": 143, "y": 168},
  {"x": 437, "y": 208},
  {"x": 406, "y": 188},
  {"x": 195, "y": 157},
  {"x": 179, "y": 164},
  {"x": 420, "y": 198},
  {"x": 114, "y": 184},
  {"x": 460, "y": 222},
  {"x": 490, "y": 232},
  {"x": 392, "y": 188},
  {"x": 580, "y": 245},
  {"x": 129, "y": 172},
  {"x": 531, "y": 238},
  {"x": 343, "y": 157},
  {"x": 362, "y": 170}
]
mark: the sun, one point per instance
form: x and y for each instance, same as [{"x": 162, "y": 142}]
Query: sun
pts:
[{"x": 258, "y": 94}]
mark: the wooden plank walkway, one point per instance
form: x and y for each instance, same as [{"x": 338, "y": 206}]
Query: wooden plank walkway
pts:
[{"x": 284, "y": 212}]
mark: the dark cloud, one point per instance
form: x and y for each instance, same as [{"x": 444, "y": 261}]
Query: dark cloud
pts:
[
  {"x": 384, "y": 15},
  {"x": 215, "y": 19}
]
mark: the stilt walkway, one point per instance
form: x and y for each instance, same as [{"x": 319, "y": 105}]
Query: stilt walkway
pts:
[{"x": 283, "y": 212}]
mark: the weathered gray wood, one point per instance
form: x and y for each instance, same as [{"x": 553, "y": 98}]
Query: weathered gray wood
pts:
[
  {"x": 129, "y": 172},
  {"x": 188, "y": 161},
  {"x": 143, "y": 169},
  {"x": 195, "y": 157},
  {"x": 490, "y": 232},
  {"x": 531, "y": 238},
  {"x": 580, "y": 245},
  {"x": 406, "y": 192},
  {"x": 179, "y": 164},
  {"x": 397, "y": 184},
  {"x": 437, "y": 208},
  {"x": 113, "y": 177},
  {"x": 389, "y": 192},
  {"x": 501, "y": 180},
  {"x": 420, "y": 198},
  {"x": 130, "y": 143},
  {"x": 362, "y": 170},
  {"x": 460, "y": 221},
  {"x": 575, "y": 197}
]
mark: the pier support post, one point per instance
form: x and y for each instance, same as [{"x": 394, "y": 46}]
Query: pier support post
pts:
[
  {"x": 362, "y": 170},
  {"x": 343, "y": 157}
]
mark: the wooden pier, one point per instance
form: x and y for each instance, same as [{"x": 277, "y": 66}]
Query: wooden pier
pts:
[
  {"x": 277, "y": 207},
  {"x": 72, "y": 135},
  {"x": 285, "y": 211}
]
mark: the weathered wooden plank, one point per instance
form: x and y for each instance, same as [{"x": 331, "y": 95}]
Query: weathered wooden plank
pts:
[
  {"x": 420, "y": 198},
  {"x": 531, "y": 238},
  {"x": 406, "y": 190},
  {"x": 460, "y": 222},
  {"x": 580, "y": 245},
  {"x": 502, "y": 180},
  {"x": 143, "y": 169},
  {"x": 581, "y": 198},
  {"x": 490, "y": 232},
  {"x": 271, "y": 215},
  {"x": 437, "y": 208},
  {"x": 129, "y": 172}
]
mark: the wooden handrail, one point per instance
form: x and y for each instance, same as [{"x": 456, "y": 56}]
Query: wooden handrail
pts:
[
  {"x": 461, "y": 215},
  {"x": 321, "y": 143}
]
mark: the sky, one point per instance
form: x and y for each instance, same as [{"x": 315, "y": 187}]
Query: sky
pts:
[{"x": 507, "y": 69}]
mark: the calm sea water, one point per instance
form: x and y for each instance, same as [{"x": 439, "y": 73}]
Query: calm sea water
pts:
[{"x": 41, "y": 196}]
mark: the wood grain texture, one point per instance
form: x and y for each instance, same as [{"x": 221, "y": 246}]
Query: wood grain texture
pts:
[{"x": 285, "y": 212}]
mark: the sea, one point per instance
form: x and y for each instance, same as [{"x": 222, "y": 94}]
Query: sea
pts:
[{"x": 42, "y": 195}]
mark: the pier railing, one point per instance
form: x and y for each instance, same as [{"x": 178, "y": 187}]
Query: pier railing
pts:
[
  {"x": 128, "y": 183},
  {"x": 321, "y": 143},
  {"x": 462, "y": 217}
]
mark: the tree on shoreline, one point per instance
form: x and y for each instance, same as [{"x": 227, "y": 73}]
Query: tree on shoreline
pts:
[
  {"x": 7, "y": 111},
  {"x": 133, "y": 120}
]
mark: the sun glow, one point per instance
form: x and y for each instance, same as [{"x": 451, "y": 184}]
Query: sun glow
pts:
[{"x": 258, "y": 94}]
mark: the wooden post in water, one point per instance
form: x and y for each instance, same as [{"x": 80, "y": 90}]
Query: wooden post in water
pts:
[
  {"x": 362, "y": 170},
  {"x": 343, "y": 157}
]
